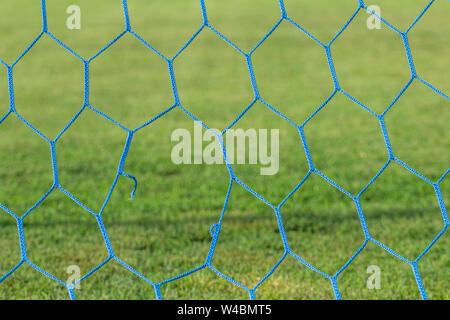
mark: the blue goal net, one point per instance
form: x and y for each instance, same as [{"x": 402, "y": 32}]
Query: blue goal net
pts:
[{"x": 216, "y": 228}]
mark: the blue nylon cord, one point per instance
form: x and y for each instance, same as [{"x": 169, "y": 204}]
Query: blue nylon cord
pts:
[{"x": 215, "y": 228}]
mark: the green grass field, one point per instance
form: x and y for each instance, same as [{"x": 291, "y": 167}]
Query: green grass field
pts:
[{"x": 165, "y": 230}]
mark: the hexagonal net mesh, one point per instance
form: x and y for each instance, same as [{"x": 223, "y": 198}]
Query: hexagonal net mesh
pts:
[{"x": 215, "y": 229}]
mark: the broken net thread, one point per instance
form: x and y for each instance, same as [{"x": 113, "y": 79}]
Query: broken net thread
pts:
[{"x": 215, "y": 228}]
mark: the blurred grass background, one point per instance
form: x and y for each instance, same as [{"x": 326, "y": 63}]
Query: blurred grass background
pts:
[{"x": 164, "y": 230}]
